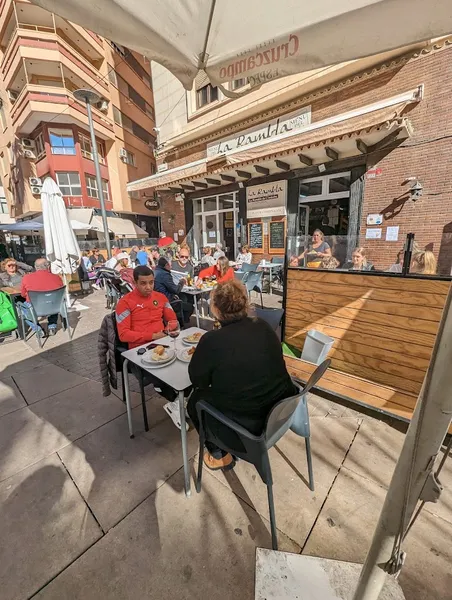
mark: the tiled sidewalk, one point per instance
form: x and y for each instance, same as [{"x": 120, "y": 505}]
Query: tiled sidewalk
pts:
[{"x": 88, "y": 514}]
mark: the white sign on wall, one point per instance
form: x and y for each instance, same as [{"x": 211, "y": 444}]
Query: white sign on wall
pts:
[
  {"x": 266, "y": 200},
  {"x": 261, "y": 133}
]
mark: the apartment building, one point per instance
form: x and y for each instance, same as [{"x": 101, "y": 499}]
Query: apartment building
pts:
[
  {"x": 44, "y": 129},
  {"x": 358, "y": 150}
]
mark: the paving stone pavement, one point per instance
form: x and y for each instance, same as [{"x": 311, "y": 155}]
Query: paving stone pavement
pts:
[{"x": 88, "y": 513}]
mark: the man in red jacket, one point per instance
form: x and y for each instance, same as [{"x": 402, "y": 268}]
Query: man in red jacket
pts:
[
  {"x": 42, "y": 280},
  {"x": 141, "y": 314}
]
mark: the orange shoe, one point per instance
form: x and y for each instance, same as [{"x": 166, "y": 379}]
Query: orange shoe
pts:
[{"x": 214, "y": 464}]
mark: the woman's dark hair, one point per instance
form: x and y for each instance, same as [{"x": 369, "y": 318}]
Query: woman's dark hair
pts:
[
  {"x": 231, "y": 300},
  {"x": 142, "y": 271}
]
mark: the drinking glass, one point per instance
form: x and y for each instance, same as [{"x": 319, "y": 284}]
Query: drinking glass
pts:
[{"x": 174, "y": 331}]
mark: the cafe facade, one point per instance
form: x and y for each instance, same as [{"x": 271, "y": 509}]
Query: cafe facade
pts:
[{"x": 366, "y": 160}]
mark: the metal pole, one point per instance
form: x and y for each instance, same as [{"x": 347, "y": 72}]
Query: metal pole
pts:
[
  {"x": 98, "y": 178},
  {"x": 423, "y": 441}
]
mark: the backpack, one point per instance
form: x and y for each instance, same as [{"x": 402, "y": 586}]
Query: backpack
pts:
[{"x": 8, "y": 320}]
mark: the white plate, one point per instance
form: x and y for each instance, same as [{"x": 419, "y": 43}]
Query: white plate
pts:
[
  {"x": 183, "y": 355},
  {"x": 152, "y": 363},
  {"x": 158, "y": 365},
  {"x": 188, "y": 343}
]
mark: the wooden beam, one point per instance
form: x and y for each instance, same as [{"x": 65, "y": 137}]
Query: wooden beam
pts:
[
  {"x": 244, "y": 174},
  {"x": 200, "y": 184},
  {"x": 282, "y": 165},
  {"x": 262, "y": 170},
  {"x": 176, "y": 190},
  {"x": 213, "y": 181},
  {"x": 228, "y": 178},
  {"x": 332, "y": 154},
  {"x": 362, "y": 147},
  {"x": 188, "y": 188},
  {"x": 387, "y": 140},
  {"x": 305, "y": 160}
]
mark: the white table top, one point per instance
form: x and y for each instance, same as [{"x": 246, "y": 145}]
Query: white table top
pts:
[
  {"x": 175, "y": 374},
  {"x": 195, "y": 292},
  {"x": 269, "y": 265}
]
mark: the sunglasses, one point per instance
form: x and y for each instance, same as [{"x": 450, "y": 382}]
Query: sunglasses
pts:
[
  {"x": 11, "y": 265},
  {"x": 184, "y": 256}
]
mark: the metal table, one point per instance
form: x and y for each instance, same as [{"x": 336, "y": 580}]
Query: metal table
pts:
[
  {"x": 190, "y": 291},
  {"x": 174, "y": 375},
  {"x": 271, "y": 267}
]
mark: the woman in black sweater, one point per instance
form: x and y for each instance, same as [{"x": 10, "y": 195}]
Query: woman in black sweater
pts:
[{"x": 239, "y": 369}]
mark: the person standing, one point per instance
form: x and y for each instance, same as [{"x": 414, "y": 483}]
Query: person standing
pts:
[
  {"x": 42, "y": 280},
  {"x": 165, "y": 240},
  {"x": 142, "y": 257},
  {"x": 154, "y": 256}
]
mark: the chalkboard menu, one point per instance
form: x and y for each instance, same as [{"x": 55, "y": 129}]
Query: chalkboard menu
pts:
[
  {"x": 255, "y": 235},
  {"x": 277, "y": 235}
]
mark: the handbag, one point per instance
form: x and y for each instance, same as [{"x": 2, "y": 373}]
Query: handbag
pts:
[{"x": 8, "y": 321}]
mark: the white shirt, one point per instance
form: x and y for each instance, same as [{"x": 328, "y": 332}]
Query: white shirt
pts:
[
  {"x": 244, "y": 258},
  {"x": 111, "y": 263}
]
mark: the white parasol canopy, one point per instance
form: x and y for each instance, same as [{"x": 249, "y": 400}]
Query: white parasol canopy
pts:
[
  {"x": 62, "y": 248},
  {"x": 257, "y": 39}
]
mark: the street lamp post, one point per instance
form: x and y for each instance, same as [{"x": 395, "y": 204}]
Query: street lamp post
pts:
[{"x": 90, "y": 97}]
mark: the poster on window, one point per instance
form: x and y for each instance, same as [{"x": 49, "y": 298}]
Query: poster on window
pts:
[{"x": 266, "y": 200}]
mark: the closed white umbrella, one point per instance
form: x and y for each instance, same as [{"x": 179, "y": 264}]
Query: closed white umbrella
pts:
[
  {"x": 258, "y": 39},
  {"x": 62, "y": 249}
]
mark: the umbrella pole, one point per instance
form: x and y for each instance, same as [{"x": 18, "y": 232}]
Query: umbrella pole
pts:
[
  {"x": 68, "y": 298},
  {"x": 423, "y": 441}
]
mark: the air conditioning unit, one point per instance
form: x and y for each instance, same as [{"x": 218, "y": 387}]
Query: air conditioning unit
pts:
[
  {"x": 35, "y": 181},
  {"x": 12, "y": 95},
  {"x": 103, "y": 105},
  {"x": 36, "y": 190},
  {"x": 29, "y": 154},
  {"x": 122, "y": 153},
  {"x": 27, "y": 143}
]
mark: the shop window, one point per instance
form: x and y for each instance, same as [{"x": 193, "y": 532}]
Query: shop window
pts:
[
  {"x": 206, "y": 95},
  {"x": 69, "y": 183},
  {"x": 92, "y": 189},
  {"x": 86, "y": 149},
  {"x": 129, "y": 158},
  {"x": 62, "y": 141},
  {"x": 40, "y": 146}
]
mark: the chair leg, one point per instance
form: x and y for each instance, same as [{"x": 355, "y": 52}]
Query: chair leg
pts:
[
  {"x": 143, "y": 402},
  {"x": 271, "y": 508},
  {"x": 200, "y": 460},
  {"x": 262, "y": 304},
  {"x": 309, "y": 458}
]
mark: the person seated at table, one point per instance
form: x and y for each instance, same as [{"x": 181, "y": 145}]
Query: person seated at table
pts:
[
  {"x": 219, "y": 252},
  {"x": 42, "y": 280},
  {"x": 359, "y": 261},
  {"x": 316, "y": 251},
  {"x": 182, "y": 264},
  {"x": 243, "y": 390},
  {"x": 123, "y": 268},
  {"x": 207, "y": 259},
  {"x": 244, "y": 256},
  {"x": 222, "y": 271},
  {"x": 164, "y": 284},
  {"x": 12, "y": 273},
  {"x": 424, "y": 262},
  {"x": 96, "y": 258}
]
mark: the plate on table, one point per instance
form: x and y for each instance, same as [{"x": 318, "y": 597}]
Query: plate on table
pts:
[
  {"x": 192, "y": 339},
  {"x": 158, "y": 357},
  {"x": 184, "y": 354}
]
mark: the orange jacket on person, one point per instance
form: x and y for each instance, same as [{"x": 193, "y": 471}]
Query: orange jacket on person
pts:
[
  {"x": 214, "y": 270},
  {"x": 139, "y": 317},
  {"x": 40, "y": 281}
]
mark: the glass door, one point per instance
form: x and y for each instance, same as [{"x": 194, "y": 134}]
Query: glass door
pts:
[{"x": 215, "y": 221}]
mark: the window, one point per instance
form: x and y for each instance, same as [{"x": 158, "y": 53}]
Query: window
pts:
[
  {"x": 239, "y": 83},
  {"x": 135, "y": 195},
  {"x": 3, "y": 202},
  {"x": 91, "y": 186},
  {"x": 206, "y": 95},
  {"x": 126, "y": 123},
  {"x": 69, "y": 184},
  {"x": 3, "y": 116},
  {"x": 328, "y": 187},
  {"x": 62, "y": 141},
  {"x": 129, "y": 92},
  {"x": 40, "y": 146},
  {"x": 133, "y": 63},
  {"x": 129, "y": 158},
  {"x": 87, "y": 149}
]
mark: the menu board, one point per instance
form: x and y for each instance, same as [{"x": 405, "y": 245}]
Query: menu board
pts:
[
  {"x": 255, "y": 236},
  {"x": 277, "y": 235}
]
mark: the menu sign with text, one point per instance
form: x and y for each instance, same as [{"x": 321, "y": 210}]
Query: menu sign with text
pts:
[
  {"x": 255, "y": 236},
  {"x": 266, "y": 200},
  {"x": 277, "y": 235}
]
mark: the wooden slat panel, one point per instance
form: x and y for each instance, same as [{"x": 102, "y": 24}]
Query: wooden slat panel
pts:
[
  {"x": 425, "y": 286},
  {"x": 314, "y": 310},
  {"x": 367, "y": 304},
  {"x": 423, "y": 339},
  {"x": 345, "y": 337},
  {"x": 380, "y": 295}
]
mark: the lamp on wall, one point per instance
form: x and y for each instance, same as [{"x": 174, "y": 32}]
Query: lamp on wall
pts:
[{"x": 416, "y": 188}]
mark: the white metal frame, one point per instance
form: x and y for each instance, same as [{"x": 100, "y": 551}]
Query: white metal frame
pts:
[
  {"x": 325, "y": 195},
  {"x": 201, "y": 243}
]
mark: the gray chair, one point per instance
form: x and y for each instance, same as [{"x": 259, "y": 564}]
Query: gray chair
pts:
[
  {"x": 253, "y": 282},
  {"x": 246, "y": 267},
  {"x": 272, "y": 316},
  {"x": 240, "y": 275},
  {"x": 277, "y": 260},
  {"x": 44, "y": 304},
  {"x": 279, "y": 421}
]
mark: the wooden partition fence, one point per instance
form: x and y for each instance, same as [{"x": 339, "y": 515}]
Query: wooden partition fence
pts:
[{"x": 384, "y": 330}]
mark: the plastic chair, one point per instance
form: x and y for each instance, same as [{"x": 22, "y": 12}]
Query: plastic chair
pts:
[
  {"x": 279, "y": 421},
  {"x": 277, "y": 260},
  {"x": 253, "y": 282},
  {"x": 246, "y": 267},
  {"x": 272, "y": 316},
  {"x": 240, "y": 275},
  {"x": 44, "y": 304}
]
